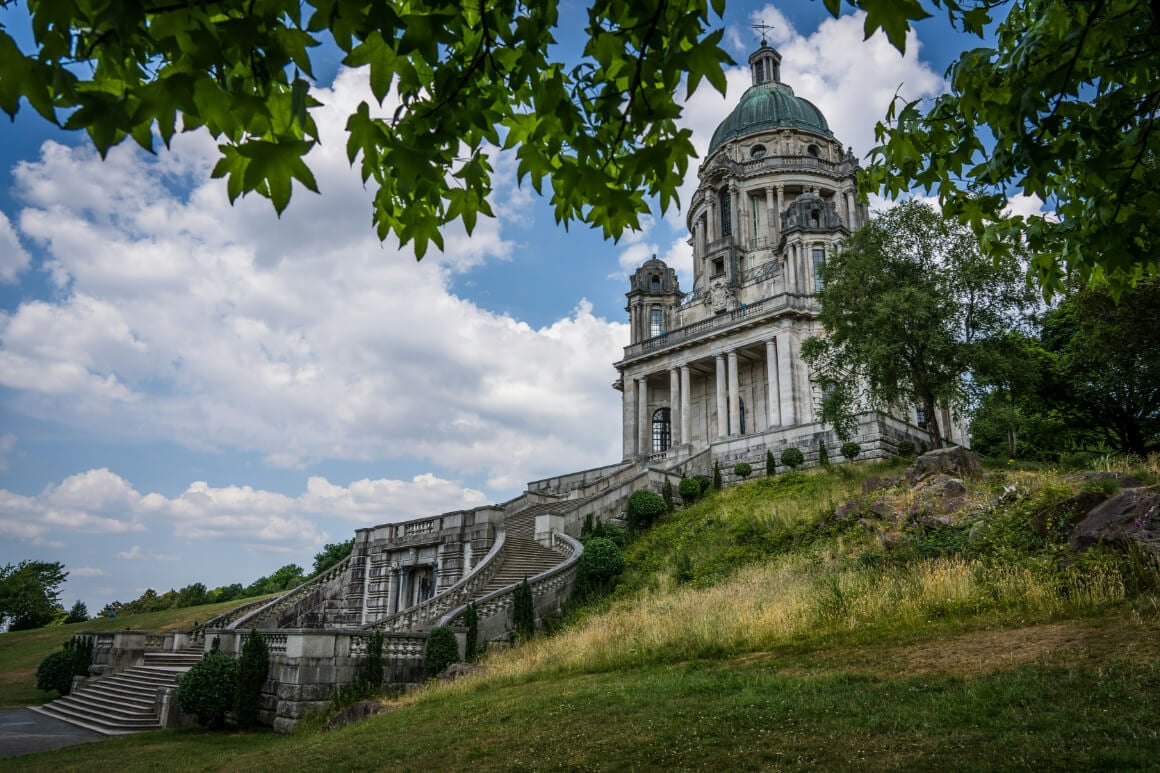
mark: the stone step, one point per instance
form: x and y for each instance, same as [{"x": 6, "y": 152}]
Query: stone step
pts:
[
  {"x": 115, "y": 700},
  {"x": 109, "y": 708},
  {"x": 96, "y": 722}
]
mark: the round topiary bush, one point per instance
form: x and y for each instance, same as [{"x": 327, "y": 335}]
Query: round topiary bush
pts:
[
  {"x": 689, "y": 490},
  {"x": 792, "y": 458},
  {"x": 705, "y": 481},
  {"x": 743, "y": 470},
  {"x": 207, "y": 690},
  {"x": 850, "y": 450},
  {"x": 442, "y": 650},
  {"x": 643, "y": 508},
  {"x": 601, "y": 561},
  {"x": 905, "y": 448},
  {"x": 56, "y": 672}
]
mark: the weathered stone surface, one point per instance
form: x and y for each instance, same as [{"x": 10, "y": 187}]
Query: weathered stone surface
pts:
[
  {"x": 954, "y": 460},
  {"x": 1130, "y": 516},
  {"x": 874, "y": 483},
  {"x": 356, "y": 713},
  {"x": 1067, "y": 512},
  {"x": 954, "y": 505},
  {"x": 456, "y": 670}
]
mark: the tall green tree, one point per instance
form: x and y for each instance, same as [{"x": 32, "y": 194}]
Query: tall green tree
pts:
[
  {"x": 30, "y": 594},
  {"x": 909, "y": 307},
  {"x": 1109, "y": 363},
  {"x": 331, "y": 554},
  {"x": 599, "y": 132},
  {"x": 1063, "y": 106}
]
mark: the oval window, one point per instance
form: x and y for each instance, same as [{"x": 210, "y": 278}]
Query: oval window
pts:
[
  {"x": 757, "y": 152},
  {"x": 812, "y": 150}
]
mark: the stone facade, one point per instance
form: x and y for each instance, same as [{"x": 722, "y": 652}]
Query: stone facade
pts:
[{"x": 777, "y": 195}]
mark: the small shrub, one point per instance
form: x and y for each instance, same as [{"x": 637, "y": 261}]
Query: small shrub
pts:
[
  {"x": 82, "y": 647},
  {"x": 905, "y": 448},
  {"x": 524, "y": 610},
  {"x": 253, "y": 668},
  {"x": 207, "y": 690},
  {"x": 716, "y": 476},
  {"x": 471, "y": 621},
  {"x": 743, "y": 470},
  {"x": 689, "y": 490},
  {"x": 792, "y": 458},
  {"x": 705, "y": 481},
  {"x": 770, "y": 463},
  {"x": 442, "y": 650},
  {"x": 667, "y": 495},
  {"x": 56, "y": 671},
  {"x": 589, "y": 525},
  {"x": 1106, "y": 486},
  {"x": 371, "y": 674},
  {"x": 823, "y": 455},
  {"x": 617, "y": 534},
  {"x": 644, "y": 507},
  {"x": 602, "y": 561},
  {"x": 850, "y": 450}
]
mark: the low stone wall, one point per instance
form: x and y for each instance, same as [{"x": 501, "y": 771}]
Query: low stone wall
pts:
[{"x": 307, "y": 667}]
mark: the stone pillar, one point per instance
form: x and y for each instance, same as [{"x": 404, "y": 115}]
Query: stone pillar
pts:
[
  {"x": 742, "y": 220},
  {"x": 366, "y": 587},
  {"x": 734, "y": 397},
  {"x": 722, "y": 416},
  {"x": 851, "y": 211},
  {"x": 698, "y": 238},
  {"x": 393, "y": 580},
  {"x": 628, "y": 416},
  {"x": 686, "y": 406},
  {"x": 771, "y": 223},
  {"x": 675, "y": 407},
  {"x": 804, "y": 407},
  {"x": 773, "y": 402},
  {"x": 734, "y": 205},
  {"x": 711, "y": 218},
  {"x": 780, "y": 204},
  {"x": 785, "y": 368},
  {"x": 644, "y": 425}
]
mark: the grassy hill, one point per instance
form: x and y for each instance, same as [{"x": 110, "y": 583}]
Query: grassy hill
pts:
[
  {"x": 22, "y": 651},
  {"x": 788, "y": 623}
]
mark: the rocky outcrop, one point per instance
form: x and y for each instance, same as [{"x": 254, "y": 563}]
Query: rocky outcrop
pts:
[
  {"x": 356, "y": 712},
  {"x": 955, "y": 461},
  {"x": 1066, "y": 513},
  {"x": 1130, "y": 516}
]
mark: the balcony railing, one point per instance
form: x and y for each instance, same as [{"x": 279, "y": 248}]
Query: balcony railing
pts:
[{"x": 738, "y": 316}]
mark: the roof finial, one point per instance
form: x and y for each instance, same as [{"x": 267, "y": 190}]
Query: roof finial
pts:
[{"x": 763, "y": 30}]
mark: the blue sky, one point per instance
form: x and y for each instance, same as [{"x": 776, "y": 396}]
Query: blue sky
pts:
[{"x": 191, "y": 391}]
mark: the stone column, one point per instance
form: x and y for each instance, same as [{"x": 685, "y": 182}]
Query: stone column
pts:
[
  {"x": 785, "y": 368},
  {"x": 722, "y": 416},
  {"x": 780, "y": 204},
  {"x": 393, "y": 580},
  {"x": 771, "y": 223},
  {"x": 734, "y": 205},
  {"x": 628, "y": 416},
  {"x": 686, "y": 405},
  {"x": 773, "y": 402},
  {"x": 644, "y": 425},
  {"x": 742, "y": 219},
  {"x": 675, "y": 407},
  {"x": 851, "y": 211},
  {"x": 804, "y": 408},
  {"x": 711, "y": 218},
  {"x": 734, "y": 397}
]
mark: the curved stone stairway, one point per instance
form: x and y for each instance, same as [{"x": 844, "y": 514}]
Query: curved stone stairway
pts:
[{"x": 124, "y": 702}]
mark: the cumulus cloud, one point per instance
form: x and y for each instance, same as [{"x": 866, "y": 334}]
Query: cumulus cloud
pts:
[
  {"x": 180, "y": 318},
  {"x": 13, "y": 258},
  {"x": 100, "y": 502}
]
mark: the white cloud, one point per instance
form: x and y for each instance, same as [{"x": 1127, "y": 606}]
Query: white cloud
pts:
[
  {"x": 100, "y": 502},
  {"x": 183, "y": 319},
  {"x": 87, "y": 571},
  {"x": 13, "y": 258}
]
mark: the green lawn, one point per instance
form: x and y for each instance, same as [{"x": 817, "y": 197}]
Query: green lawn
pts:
[{"x": 22, "y": 651}]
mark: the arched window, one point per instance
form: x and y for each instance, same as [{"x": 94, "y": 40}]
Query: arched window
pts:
[
  {"x": 723, "y": 199},
  {"x": 656, "y": 322},
  {"x": 819, "y": 256},
  {"x": 662, "y": 430},
  {"x": 656, "y": 283}
]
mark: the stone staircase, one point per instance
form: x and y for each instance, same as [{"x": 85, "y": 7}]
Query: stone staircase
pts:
[
  {"x": 522, "y": 555},
  {"x": 124, "y": 702}
]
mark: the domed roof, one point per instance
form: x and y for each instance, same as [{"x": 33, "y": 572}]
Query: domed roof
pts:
[{"x": 769, "y": 106}]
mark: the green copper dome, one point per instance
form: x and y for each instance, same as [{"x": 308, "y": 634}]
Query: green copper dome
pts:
[{"x": 769, "y": 106}]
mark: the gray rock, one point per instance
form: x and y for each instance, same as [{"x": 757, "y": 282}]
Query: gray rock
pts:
[
  {"x": 1067, "y": 512},
  {"x": 456, "y": 670},
  {"x": 1130, "y": 516},
  {"x": 955, "y": 460},
  {"x": 1121, "y": 479},
  {"x": 355, "y": 713}
]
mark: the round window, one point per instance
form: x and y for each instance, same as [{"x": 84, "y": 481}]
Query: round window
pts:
[
  {"x": 812, "y": 150},
  {"x": 758, "y": 151}
]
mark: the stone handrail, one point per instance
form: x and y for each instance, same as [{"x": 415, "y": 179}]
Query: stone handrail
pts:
[
  {"x": 409, "y": 645},
  {"x": 224, "y": 619},
  {"x": 501, "y": 600},
  {"x": 604, "y": 484},
  {"x": 717, "y": 322},
  {"x": 290, "y": 596},
  {"x": 426, "y": 611}
]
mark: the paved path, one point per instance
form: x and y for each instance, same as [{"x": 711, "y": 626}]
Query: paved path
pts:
[{"x": 23, "y": 731}]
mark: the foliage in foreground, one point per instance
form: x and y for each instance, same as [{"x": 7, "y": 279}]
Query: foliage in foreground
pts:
[
  {"x": 442, "y": 650},
  {"x": 253, "y": 668},
  {"x": 209, "y": 689}
]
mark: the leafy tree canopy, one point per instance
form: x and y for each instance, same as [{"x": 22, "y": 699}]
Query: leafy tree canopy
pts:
[
  {"x": 909, "y": 307},
  {"x": 600, "y": 132},
  {"x": 1063, "y": 107},
  {"x": 331, "y": 554},
  {"x": 30, "y": 594}
]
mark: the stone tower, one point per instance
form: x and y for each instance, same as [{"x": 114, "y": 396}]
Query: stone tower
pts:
[{"x": 721, "y": 363}]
